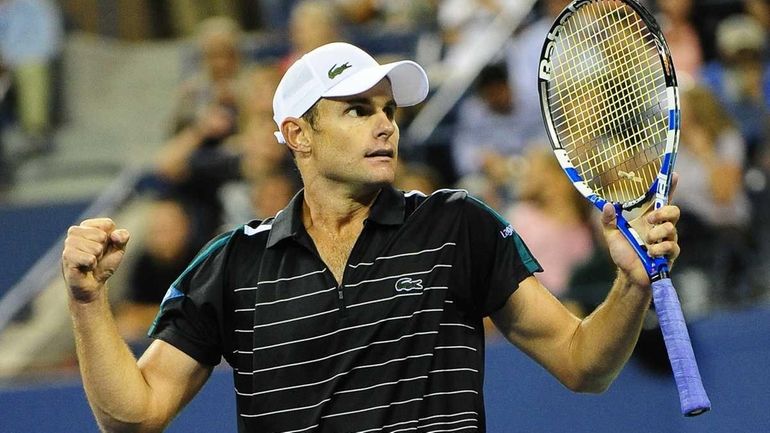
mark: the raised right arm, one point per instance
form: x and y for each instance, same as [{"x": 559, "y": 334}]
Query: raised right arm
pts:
[{"x": 125, "y": 395}]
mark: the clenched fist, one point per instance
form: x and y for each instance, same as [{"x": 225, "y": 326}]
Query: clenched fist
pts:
[{"x": 92, "y": 253}]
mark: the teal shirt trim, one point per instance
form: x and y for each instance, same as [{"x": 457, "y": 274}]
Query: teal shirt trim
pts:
[
  {"x": 526, "y": 256},
  {"x": 173, "y": 292}
]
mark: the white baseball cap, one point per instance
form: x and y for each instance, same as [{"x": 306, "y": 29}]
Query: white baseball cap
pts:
[{"x": 341, "y": 69}]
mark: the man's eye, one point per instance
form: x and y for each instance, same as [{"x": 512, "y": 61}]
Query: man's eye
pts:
[{"x": 358, "y": 111}]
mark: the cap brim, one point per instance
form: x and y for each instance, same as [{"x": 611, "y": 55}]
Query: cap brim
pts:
[{"x": 407, "y": 79}]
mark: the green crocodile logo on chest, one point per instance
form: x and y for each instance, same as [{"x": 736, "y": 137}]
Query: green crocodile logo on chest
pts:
[{"x": 407, "y": 285}]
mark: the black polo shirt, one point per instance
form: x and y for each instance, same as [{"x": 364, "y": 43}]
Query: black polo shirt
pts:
[{"x": 398, "y": 346}]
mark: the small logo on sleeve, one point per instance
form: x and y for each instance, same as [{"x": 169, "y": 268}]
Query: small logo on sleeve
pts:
[
  {"x": 407, "y": 285},
  {"x": 507, "y": 231},
  {"x": 336, "y": 70}
]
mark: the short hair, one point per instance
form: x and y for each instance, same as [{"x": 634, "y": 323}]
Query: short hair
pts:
[
  {"x": 311, "y": 115},
  {"x": 496, "y": 73}
]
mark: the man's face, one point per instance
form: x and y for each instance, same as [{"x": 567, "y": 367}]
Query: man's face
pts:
[
  {"x": 355, "y": 140},
  {"x": 221, "y": 56}
]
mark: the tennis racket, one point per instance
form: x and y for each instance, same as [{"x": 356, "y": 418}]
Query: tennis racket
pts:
[{"x": 610, "y": 103}]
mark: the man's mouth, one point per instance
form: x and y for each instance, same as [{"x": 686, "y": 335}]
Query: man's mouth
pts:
[{"x": 379, "y": 153}]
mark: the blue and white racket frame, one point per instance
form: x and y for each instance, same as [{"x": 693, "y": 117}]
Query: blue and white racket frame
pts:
[{"x": 692, "y": 395}]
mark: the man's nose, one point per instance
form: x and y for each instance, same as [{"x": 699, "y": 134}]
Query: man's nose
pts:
[{"x": 385, "y": 126}]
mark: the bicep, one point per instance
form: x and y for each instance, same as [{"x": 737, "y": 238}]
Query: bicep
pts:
[
  {"x": 538, "y": 324},
  {"x": 174, "y": 378}
]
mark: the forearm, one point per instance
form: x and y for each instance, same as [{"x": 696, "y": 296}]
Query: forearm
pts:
[
  {"x": 117, "y": 391},
  {"x": 604, "y": 340}
]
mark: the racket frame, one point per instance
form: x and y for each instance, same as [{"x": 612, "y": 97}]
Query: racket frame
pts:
[
  {"x": 656, "y": 267},
  {"x": 692, "y": 396}
]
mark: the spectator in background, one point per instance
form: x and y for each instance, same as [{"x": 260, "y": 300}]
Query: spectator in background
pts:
[
  {"x": 312, "y": 23},
  {"x": 186, "y": 15},
  {"x": 463, "y": 23},
  {"x": 760, "y": 11},
  {"x": 549, "y": 212},
  {"x": 741, "y": 81},
  {"x": 214, "y": 85},
  {"x": 193, "y": 164},
  {"x": 486, "y": 129},
  {"x": 714, "y": 204},
  {"x": 167, "y": 249},
  {"x": 259, "y": 83},
  {"x": 522, "y": 53},
  {"x": 680, "y": 33},
  {"x": 414, "y": 176},
  {"x": 740, "y": 78},
  {"x": 31, "y": 36},
  {"x": 258, "y": 154},
  {"x": 272, "y": 193},
  {"x": 263, "y": 165},
  {"x": 393, "y": 14}
]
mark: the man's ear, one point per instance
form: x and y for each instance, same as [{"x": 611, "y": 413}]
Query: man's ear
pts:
[{"x": 295, "y": 132}]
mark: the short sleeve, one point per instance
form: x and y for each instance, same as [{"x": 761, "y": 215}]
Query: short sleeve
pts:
[
  {"x": 499, "y": 258},
  {"x": 191, "y": 313}
]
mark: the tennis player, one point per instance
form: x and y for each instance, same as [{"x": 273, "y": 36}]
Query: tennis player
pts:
[{"x": 358, "y": 307}]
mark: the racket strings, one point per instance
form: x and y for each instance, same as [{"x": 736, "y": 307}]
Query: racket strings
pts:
[
  {"x": 620, "y": 101},
  {"x": 602, "y": 122},
  {"x": 626, "y": 98},
  {"x": 595, "y": 78},
  {"x": 607, "y": 126},
  {"x": 580, "y": 59},
  {"x": 581, "y": 54}
]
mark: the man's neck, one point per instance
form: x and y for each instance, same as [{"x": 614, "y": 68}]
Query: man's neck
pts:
[{"x": 336, "y": 210}]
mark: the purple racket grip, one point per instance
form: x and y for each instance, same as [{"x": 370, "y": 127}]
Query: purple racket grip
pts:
[{"x": 692, "y": 395}]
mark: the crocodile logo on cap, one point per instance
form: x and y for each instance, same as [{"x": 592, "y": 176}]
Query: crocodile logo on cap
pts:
[{"x": 337, "y": 70}]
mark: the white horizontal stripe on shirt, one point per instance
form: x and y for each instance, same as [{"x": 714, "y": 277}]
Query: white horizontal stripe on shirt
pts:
[
  {"x": 390, "y": 298},
  {"x": 379, "y": 385},
  {"x": 359, "y": 367},
  {"x": 464, "y": 391},
  {"x": 374, "y": 343},
  {"x": 457, "y": 324},
  {"x": 349, "y": 328},
  {"x": 470, "y": 427},
  {"x": 390, "y": 277},
  {"x": 452, "y": 370},
  {"x": 445, "y": 423},
  {"x": 301, "y": 430},
  {"x": 374, "y": 301},
  {"x": 292, "y": 409},
  {"x": 418, "y": 420},
  {"x": 369, "y": 409},
  {"x": 455, "y": 347},
  {"x": 296, "y": 277},
  {"x": 416, "y": 253},
  {"x": 280, "y": 322},
  {"x": 294, "y": 298}
]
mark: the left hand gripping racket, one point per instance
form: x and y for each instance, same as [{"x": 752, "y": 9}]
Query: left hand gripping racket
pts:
[{"x": 610, "y": 103}]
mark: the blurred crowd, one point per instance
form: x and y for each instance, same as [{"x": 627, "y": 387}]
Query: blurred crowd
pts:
[{"x": 221, "y": 165}]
